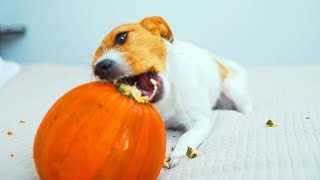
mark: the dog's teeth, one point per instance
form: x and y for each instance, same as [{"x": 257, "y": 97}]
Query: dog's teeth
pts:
[
  {"x": 154, "y": 82},
  {"x": 155, "y": 88}
]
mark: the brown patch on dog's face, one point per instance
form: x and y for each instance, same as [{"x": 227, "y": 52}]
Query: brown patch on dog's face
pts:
[{"x": 144, "y": 49}]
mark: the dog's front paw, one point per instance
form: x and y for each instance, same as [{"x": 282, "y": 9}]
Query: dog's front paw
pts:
[
  {"x": 174, "y": 161},
  {"x": 176, "y": 157}
]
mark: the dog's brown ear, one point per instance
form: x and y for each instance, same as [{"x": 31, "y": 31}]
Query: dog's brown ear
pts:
[{"x": 157, "y": 26}]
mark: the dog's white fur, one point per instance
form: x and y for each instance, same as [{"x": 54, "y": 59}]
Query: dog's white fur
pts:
[{"x": 192, "y": 87}]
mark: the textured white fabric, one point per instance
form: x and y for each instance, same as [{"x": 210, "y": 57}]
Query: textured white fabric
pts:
[
  {"x": 8, "y": 69},
  {"x": 240, "y": 147}
]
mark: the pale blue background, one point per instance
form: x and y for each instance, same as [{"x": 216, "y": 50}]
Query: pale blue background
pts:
[{"x": 252, "y": 32}]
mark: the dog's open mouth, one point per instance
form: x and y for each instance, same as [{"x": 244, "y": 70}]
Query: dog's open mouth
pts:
[{"x": 150, "y": 84}]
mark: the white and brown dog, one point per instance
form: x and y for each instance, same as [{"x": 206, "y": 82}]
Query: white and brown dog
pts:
[{"x": 184, "y": 82}]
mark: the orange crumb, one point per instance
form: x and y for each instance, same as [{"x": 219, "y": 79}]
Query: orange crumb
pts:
[
  {"x": 11, "y": 155},
  {"x": 22, "y": 121},
  {"x": 9, "y": 133}
]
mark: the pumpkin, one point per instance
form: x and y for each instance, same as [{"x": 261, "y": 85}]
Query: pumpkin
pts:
[{"x": 95, "y": 132}]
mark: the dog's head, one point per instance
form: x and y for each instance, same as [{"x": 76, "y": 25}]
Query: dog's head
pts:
[{"x": 135, "y": 53}]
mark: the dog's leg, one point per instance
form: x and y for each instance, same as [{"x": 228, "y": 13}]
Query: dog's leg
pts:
[
  {"x": 235, "y": 87},
  {"x": 193, "y": 137}
]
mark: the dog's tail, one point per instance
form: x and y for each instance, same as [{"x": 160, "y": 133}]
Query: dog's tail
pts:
[
  {"x": 230, "y": 70},
  {"x": 234, "y": 85}
]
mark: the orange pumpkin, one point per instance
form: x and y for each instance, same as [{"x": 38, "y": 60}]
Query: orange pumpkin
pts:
[{"x": 94, "y": 132}]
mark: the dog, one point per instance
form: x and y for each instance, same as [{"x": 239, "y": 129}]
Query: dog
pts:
[{"x": 184, "y": 82}]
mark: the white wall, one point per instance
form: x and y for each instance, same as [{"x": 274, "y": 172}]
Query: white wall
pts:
[{"x": 253, "y": 32}]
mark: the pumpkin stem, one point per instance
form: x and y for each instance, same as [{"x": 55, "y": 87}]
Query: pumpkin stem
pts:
[{"x": 132, "y": 92}]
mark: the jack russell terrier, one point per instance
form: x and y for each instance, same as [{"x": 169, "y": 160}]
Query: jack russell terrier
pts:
[{"x": 184, "y": 82}]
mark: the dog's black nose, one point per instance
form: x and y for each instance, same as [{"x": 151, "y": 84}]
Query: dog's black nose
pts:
[{"x": 103, "y": 68}]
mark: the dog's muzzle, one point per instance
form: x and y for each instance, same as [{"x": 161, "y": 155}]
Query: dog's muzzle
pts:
[
  {"x": 107, "y": 70},
  {"x": 149, "y": 83}
]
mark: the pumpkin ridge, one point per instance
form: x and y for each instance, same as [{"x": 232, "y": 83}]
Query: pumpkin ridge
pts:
[
  {"x": 46, "y": 124},
  {"x": 62, "y": 162},
  {"x": 157, "y": 125},
  {"x": 51, "y": 112},
  {"x": 147, "y": 150},
  {"x": 140, "y": 141},
  {"x": 112, "y": 109},
  {"x": 151, "y": 150},
  {"x": 107, "y": 158},
  {"x": 50, "y": 137},
  {"x": 61, "y": 123}
]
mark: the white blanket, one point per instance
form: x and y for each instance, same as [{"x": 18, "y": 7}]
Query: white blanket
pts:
[
  {"x": 240, "y": 147},
  {"x": 7, "y": 70}
]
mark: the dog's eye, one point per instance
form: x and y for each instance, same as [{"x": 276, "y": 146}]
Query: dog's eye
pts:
[{"x": 120, "y": 38}]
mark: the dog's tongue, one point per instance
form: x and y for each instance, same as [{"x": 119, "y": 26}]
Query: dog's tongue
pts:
[
  {"x": 144, "y": 82},
  {"x": 150, "y": 85}
]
